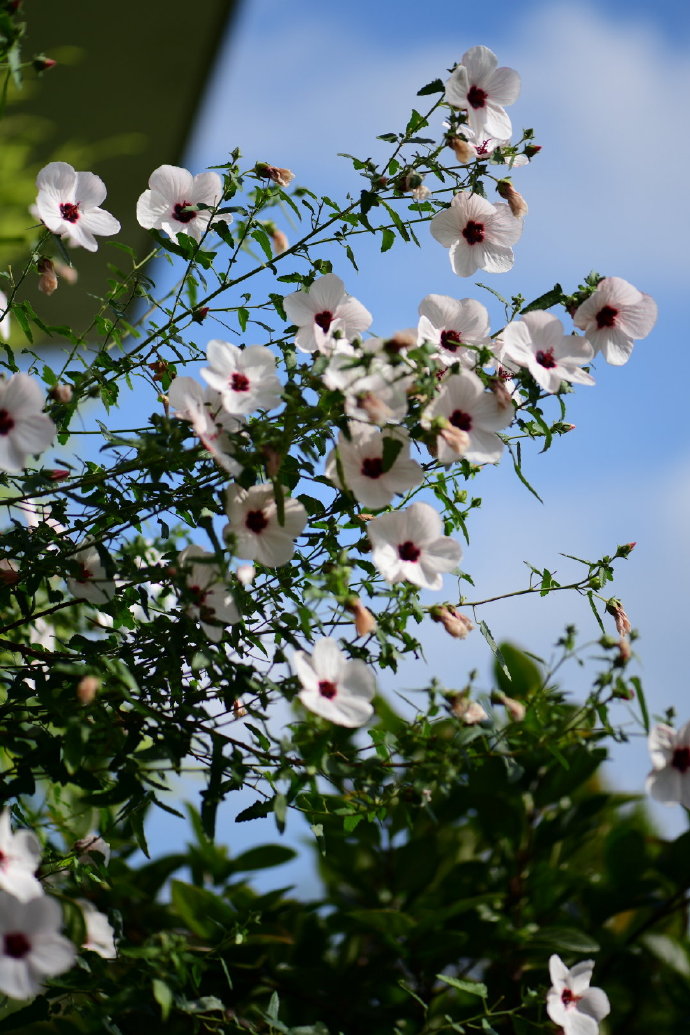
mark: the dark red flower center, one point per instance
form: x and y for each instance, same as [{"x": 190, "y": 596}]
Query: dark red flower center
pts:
[
  {"x": 606, "y": 317},
  {"x": 327, "y": 689},
  {"x": 460, "y": 419},
  {"x": 69, "y": 211},
  {"x": 239, "y": 382},
  {"x": 483, "y": 148},
  {"x": 6, "y": 422},
  {"x": 184, "y": 212},
  {"x": 372, "y": 467},
  {"x": 681, "y": 759},
  {"x": 324, "y": 320},
  {"x": 546, "y": 359},
  {"x": 84, "y": 574},
  {"x": 476, "y": 96},
  {"x": 16, "y": 944},
  {"x": 407, "y": 551},
  {"x": 568, "y": 997},
  {"x": 473, "y": 232},
  {"x": 451, "y": 340},
  {"x": 198, "y": 594},
  {"x": 256, "y": 521}
]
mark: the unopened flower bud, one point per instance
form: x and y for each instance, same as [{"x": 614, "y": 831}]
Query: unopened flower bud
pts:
[
  {"x": 532, "y": 149},
  {"x": 455, "y": 623},
  {"x": 279, "y": 241},
  {"x": 365, "y": 623},
  {"x": 518, "y": 205},
  {"x": 272, "y": 459},
  {"x": 9, "y": 574},
  {"x": 238, "y": 708},
  {"x": 464, "y": 152},
  {"x": 515, "y": 709},
  {"x": 200, "y": 314},
  {"x": 456, "y": 438},
  {"x": 58, "y": 474},
  {"x": 246, "y": 574},
  {"x": 68, "y": 273},
  {"x": 47, "y": 281},
  {"x": 43, "y": 63},
  {"x": 283, "y": 177},
  {"x": 375, "y": 408},
  {"x": 503, "y": 397},
  {"x": 625, "y": 550},
  {"x": 87, "y": 688},
  {"x": 615, "y": 608},
  {"x": 61, "y": 392},
  {"x": 469, "y": 712}
]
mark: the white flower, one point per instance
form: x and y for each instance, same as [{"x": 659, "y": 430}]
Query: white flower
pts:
[
  {"x": 477, "y": 234},
  {"x": 537, "y": 342},
  {"x": 92, "y": 582},
  {"x": 92, "y": 843},
  {"x": 453, "y": 326},
  {"x": 483, "y": 146},
  {"x": 409, "y": 545},
  {"x": 31, "y": 947},
  {"x": 5, "y": 321},
  {"x": 361, "y": 460},
  {"x": 468, "y": 407},
  {"x": 20, "y": 854},
  {"x": 259, "y": 536},
  {"x": 245, "y": 378},
  {"x": 322, "y": 309},
  {"x": 482, "y": 90},
  {"x": 100, "y": 936},
  {"x": 68, "y": 203},
  {"x": 170, "y": 203},
  {"x": 375, "y": 389},
  {"x": 246, "y": 573},
  {"x": 203, "y": 408},
  {"x": 669, "y": 780},
  {"x": 571, "y": 1003},
  {"x": 333, "y": 687},
  {"x": 613, "y": 316},
  {"x": 213, "y": 604},
  {"x": 24, "y": 428}
]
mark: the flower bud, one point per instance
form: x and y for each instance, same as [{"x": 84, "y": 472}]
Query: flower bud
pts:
[
  {"x": 515, "y": 709},
  {"x": 456, "y": 438},
  {"x": 68, "y": 273},
  {"x": 87, "y": 688},
  {"x": 279, "y": 241},
  {"x": 238, "y": 708},
  {"x": 365, "y": 623},
  {"x": 375, "y": 408},
  {"x": 61, "y": 392},
  {"x": 456, "y": 624},
  {"x": 43, "y": 63},
  {"x": 246, "y": 574},
  {"x": 532, "y": 149},
  {"x": 58, "y": 474},
  {"x": 469, "y": 712},
  {"x": 159, "y": 367},
  {"x": 9, "y": 573},
  {"x": 464, "y": 152},
  {"x": 615, "y": 608},
  {"x": 47, "y": 281},
  {"x": 625, "y": 550},
  {"x": 272, "y": 459},
  {"x": 199, "y": 315},
  {"x": 518, "y": 205},
  {"x": 283, "y": 177}
]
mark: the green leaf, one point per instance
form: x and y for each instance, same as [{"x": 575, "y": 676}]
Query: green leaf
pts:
[
  {"x": 500, "y": 660},
  {"x": 163, "y": 995},
  {"x": 545, "y": 301},
  {"x": 471, "y": 987},
  {"x": 434, "y": 87},
  {"x": 519, "y": 676},
  {"x": 387, "y": 239},
  {"x": 567, "y": 939},
  {"x": 263, "y": 857}
]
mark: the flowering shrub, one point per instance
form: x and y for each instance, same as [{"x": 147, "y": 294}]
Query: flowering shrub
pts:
[{"x": 465, "y": 842}]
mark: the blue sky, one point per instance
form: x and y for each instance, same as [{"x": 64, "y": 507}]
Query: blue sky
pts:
[{"x": 606, "y": 90}]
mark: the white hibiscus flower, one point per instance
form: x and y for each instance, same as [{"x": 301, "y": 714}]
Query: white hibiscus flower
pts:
[
  {"x": 258, "y": 534},
  {"x": 24, "y": 427},
  {"x": 245, "y": 378},
  {"x": 68, "y": 203},
  {"x": 409, "y": 546},
  {"x": 170, "y": 203},
  {"x": 334, "y": 687},
  {"x": 478, "y": 235},
  {"x": 321, "y": 310},
  {"x": 614, "y": 317},
  {"x": 482, "y": 90}
]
